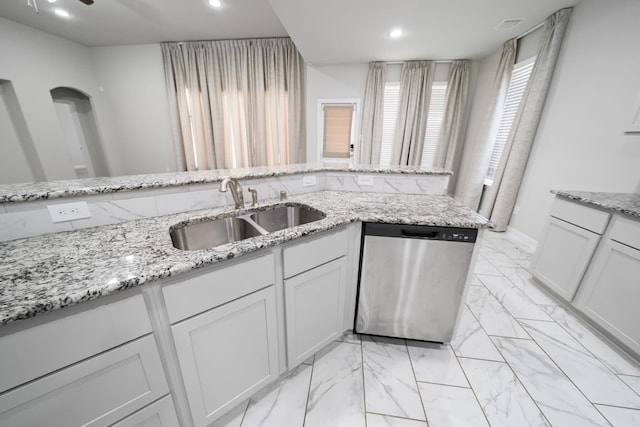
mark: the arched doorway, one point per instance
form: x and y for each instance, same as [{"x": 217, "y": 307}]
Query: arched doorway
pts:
[{"x": 80, "y": 131}]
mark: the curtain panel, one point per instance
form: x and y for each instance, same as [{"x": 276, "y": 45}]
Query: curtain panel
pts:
[
  {"x": 469, "y": 190},
  {"x": 413, "y": 108},
  {"x": 373, "y": 114},
  {"x": 500, "y": 198},
  {"x": 451, "y": 138},
  {"x": 236, "y": 103}
]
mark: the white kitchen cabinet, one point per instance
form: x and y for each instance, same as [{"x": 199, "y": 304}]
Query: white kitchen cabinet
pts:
[
  {"x": 228, "y": 353},
  {"x": 567, "y": 244},
  {"x": 95, "y": 392},
  {"x": 610, "y": 292},
  {"x": 562, "y": 256},
  {"x": 158, "y": 414},
  {"x": 314, "y": 302},
  {"x": 67, "y": 339}
]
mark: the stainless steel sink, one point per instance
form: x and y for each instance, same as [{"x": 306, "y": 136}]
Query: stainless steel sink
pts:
[
  {"x": 204, "y": 235},
  {"x": 285, "y": 216},
  {"x": 215, "y": 232}
]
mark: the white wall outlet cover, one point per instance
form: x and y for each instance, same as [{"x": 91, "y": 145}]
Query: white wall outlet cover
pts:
[
  {"x": 68, "y": 211},
  {"x": 308, "y": 180},
  {"x": 365, "y": 180}
]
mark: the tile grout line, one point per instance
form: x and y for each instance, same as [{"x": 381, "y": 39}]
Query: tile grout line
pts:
[
  {"x": 475, "y": 395},
  {"x": 563, "y": 373},
  {"x": 552, "y": 361},
  {"x": 306, "y": 406},
  {"x": 608, "y": 343},
  {"x": 364, "y": 391},
  {"x": 507, "y": 363},
  {"x": 413, "y": 371},
  {"x": 397, "y": 417}
]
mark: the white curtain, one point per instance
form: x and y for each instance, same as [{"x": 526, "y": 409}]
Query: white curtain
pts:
[
  {"x": 500, "y": 198},
  {"x": 413, "y": 108},
  {"x": 237, "y": 103},
  {"x": 373, "y": 114},
  {"x": 451, "y": 137},
  {"x": 469, "y": 190}
]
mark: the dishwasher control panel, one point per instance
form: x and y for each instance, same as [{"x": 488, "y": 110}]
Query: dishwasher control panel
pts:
[{"x": 426, "y": 232}]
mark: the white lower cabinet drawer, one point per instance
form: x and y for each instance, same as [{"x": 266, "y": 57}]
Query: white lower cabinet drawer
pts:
[
  {"x": 95, "y": 392},
  {"x": 159, "y": 414}
]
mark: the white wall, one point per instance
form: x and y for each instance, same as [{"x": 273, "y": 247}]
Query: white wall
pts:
[
  {"x": 580, "y": 143},
  {"x": 331, "y": 82},
  {"x": 136, "y": 107},
  {"x": 36, "y": 62}
]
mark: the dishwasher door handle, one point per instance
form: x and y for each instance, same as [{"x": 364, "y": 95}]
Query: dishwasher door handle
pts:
[{"x": 420, "y": 234}]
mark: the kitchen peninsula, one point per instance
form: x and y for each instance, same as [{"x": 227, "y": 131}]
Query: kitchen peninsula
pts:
[{"x": 153, "y": 317}]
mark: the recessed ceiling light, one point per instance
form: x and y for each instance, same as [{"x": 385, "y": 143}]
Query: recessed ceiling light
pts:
[
  {"x": 394, "y": 34},
  {"x": 61, "y": 12},
  {"x": 215, "y": 3},
  {"x": 52, "y": 1}
]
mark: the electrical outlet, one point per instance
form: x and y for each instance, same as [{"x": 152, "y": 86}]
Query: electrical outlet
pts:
[
  {"x": 69, "y": 211},
  {"x": 365, "y": 180},
  {"x": 308, "y": 180}
]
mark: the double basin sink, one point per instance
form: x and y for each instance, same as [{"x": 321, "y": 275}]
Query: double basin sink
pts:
[{"x": 215, "y": 232}]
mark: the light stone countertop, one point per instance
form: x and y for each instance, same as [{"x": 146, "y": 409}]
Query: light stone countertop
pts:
[
  {"x": 625, "y": 203},
  {"x": 51, "y": 271},
  {"x": 11, "y": 193}
]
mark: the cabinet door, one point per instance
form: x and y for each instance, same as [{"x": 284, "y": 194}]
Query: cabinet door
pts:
[
  {"x": 610, "y": 292},
  {"x": 562, "y": 256},
  {"x": 314, "y": 303},
  {"x": 95, "y": 392},
  {"x": 158, "y": 414},
  {"x": 228, "y": 353}
]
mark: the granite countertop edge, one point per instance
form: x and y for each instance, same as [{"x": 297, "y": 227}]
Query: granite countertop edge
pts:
[
  {"x": 48, "y": 272},
  {"x": 27, "y": 192},
  {"x": 625, "y": 203}
]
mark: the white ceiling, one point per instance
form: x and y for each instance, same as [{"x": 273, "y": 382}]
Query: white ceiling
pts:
[{"x": 327, "y": 31}]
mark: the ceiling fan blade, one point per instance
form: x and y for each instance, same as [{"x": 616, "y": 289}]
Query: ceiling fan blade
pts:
[{"x": 87, "y": 2}]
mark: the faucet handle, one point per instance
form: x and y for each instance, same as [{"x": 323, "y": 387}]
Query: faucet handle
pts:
[
  {"x": 254, "y": 196},
  {"x": 283, "y": 195}
]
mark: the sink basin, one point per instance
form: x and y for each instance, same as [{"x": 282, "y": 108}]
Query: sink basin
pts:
[
  {"x": 215, "y": 232},
  {"x": 204, "y": 235},
  {"x": 285, "y": 216}
]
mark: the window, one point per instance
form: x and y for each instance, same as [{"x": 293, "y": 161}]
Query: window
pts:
[
  {"x": 517, "y": 85},
  {"x": 434, "y": 121},
  {"x": 337, "y": 129},
  {"x": 390, "y": 112}
]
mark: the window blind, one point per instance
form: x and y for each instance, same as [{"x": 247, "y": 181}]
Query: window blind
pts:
[
  {"x": 517, "y": 85},
  {"x": 434, "y": 123},
  {"x": 338, "y": 120},
  {"x": 390, "y": 112}
]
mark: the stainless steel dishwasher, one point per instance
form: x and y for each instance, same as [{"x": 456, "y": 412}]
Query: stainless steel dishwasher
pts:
[{"x": 412, "y": 280}]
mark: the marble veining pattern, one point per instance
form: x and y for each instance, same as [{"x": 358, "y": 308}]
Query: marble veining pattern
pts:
[
  {"x": 51, "y": 271},
  {"x": 626, "y": 203},
  {"x": 529, "y": 387},
  {"x": 504, "y": 400},
  {"x": 389, "y": 380},
  {"x": 597, "y": 382},
  {"x": 10, "y": 193}
]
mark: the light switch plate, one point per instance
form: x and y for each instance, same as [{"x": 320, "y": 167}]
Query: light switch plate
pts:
[
  {"x": 308, "y": 180},
  {"x": 365, "y": 180},
  {"x": 68, "y": 211}
]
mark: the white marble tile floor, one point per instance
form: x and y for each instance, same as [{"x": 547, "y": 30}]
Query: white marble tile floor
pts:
[{"x": 518, "y": 358}]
